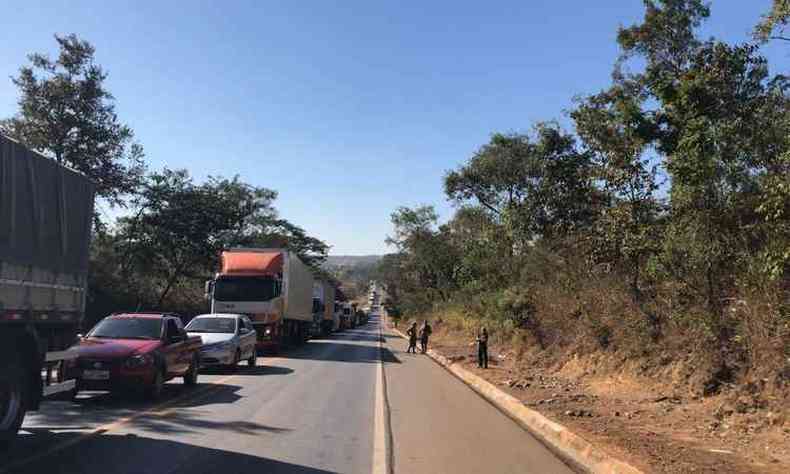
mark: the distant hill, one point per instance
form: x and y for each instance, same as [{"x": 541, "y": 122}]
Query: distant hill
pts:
[
  {"x": 353, "y": 271},
  {"x": 340, "y": 261}
]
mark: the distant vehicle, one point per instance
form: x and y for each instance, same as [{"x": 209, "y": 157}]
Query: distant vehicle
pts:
[
  {"x": 46, "y": 213},
  {"x": 134, "y": 351},
  {"x": 324, "y": 306},
  {"x": 349, "y": 316},
  {"x": 272, "y": 287},
  {"x": 227, "y": 339}
]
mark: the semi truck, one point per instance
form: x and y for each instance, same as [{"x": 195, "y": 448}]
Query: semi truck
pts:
[
  {"x": 273, "y": 287},
  {"x": 46, "y": 213},
  {"x": 324, "y": 306}
]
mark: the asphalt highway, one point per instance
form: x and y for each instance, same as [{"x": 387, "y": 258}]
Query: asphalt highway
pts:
[{"x": 311, "y": 410}]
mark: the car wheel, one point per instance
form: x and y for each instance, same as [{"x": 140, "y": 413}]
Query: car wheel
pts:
[
  {"x": 154, "y": 391},
  {"x": 12, "y": 400},
  {"x": 253, "y": 358},
  {"x": 190, "y": 378}
]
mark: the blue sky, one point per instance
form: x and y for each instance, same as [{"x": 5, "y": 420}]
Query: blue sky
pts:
[{"x": 348, "y": 109}]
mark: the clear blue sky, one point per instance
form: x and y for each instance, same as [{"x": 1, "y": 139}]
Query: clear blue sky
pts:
[{"x": 348, "y": 109}]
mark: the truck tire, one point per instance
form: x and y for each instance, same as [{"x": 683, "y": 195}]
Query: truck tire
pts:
[
  {"x": 191, "y": 376},
  {"x": 12, "y": 399}
]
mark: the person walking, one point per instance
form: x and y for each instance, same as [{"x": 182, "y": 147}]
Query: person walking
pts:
[
  {"x": 425, "y": 333},
  {"x": 412, "y": 333},
  {"x": 482, "y": 349}
]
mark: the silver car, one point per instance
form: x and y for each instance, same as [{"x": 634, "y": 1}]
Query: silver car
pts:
[{"x": 227, "y": 339}]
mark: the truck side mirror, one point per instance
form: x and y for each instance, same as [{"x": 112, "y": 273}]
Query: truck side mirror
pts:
[{"x": 207, "y": 289}]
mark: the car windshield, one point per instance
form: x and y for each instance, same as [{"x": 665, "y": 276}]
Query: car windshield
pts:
[
  {"x": 246, "y": 289},
  {"x": 128, "y": 328},
  {"x": 212, "y": 325}
]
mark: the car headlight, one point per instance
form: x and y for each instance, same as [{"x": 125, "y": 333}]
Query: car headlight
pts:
[
  {"x": 267, "y": 331},
  {"x": 136, "y": 362}
]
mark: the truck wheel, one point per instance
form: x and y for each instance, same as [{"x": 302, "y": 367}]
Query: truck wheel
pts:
[
  {"x": 190, "y": 378},
  {"x": 154, "y": 391},
  {"x": 12, "y": 400}
]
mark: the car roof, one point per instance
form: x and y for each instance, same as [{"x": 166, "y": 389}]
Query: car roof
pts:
[
  {"x": 143, "y": 315},
  {"x": 219, "y": 315}
]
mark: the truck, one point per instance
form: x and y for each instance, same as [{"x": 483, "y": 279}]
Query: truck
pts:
[
  {"x": 46, "y": 213},
  {"x": 324, "y": 305},
  {"x": 273, "y": 287}
]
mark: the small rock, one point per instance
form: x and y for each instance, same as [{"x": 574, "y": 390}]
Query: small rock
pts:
[
  {"x": 617, "y": 413},
  {"x": 570, "y": 413}
]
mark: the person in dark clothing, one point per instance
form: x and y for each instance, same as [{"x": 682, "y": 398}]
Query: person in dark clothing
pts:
[
  {"x": 412, "y": 333},
  {"x": 425, "y": 333},
  {"x": 482, "y": 349}
]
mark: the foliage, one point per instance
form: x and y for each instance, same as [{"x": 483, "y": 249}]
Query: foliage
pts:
[
  {"x": 662, "y": 215},
  {"x": 66, "y": 112},
  {"x": 774, "y": 22}
]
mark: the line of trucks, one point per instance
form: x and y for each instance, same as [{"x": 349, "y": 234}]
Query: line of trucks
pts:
[{"x": 46, "y": 215}]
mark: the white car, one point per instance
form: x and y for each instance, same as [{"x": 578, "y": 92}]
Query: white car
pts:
[{"x": 227, "y": 339}]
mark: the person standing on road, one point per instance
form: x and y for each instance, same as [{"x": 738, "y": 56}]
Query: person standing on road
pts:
[
  {"x": 482, "y": 349},
  {"x": 425, "y": 333},
  {"x": 412, "y": 333}
]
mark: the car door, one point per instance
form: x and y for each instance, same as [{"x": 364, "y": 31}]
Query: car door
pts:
[
  {"x": 173, "y": 348},
  {"x": 243, "y": 333}
]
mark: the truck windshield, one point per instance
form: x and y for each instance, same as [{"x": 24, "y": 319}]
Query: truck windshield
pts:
[
  {"x": 128, "y": 328},
  {"x": 246, "y": 289},
  {"x": 212, "y": 325}
]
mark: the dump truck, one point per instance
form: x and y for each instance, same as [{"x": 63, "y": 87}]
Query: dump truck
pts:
[
  {"x": 273, "y": 287},
  {"x": 46, "y": 213},
  {"x": 324, "y": 306}
]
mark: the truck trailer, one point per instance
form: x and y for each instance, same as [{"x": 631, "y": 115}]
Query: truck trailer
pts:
[
  {"x": 46, "y": 212},
  {"x": 271, "y": 286},
  {"x": 324, "y": 305}
]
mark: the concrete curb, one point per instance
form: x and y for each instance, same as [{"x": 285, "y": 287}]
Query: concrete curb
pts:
[{"x": 569, "y": 446}]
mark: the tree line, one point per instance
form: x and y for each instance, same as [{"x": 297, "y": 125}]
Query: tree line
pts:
[
  {"x": 661, "y": 220},
  {"x": 171, "y": 228}
]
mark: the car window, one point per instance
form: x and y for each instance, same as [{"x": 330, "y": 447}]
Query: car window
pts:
[
  {"x": 128, "y": 328},
  {"x": 172, "y": 328},
  {"x": 212, "y": 325}
]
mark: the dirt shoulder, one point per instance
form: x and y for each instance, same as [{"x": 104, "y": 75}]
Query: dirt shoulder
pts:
[{"x": 640, "y": 420}]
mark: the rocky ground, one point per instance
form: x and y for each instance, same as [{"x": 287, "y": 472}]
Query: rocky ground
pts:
[{"x": 642, "y": 421}]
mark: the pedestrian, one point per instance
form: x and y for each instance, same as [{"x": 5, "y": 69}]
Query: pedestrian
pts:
[
  {"x": 482, "y": 349},
  {"x": 425, "y": 333},
  {"x": 412, "y": 333}
]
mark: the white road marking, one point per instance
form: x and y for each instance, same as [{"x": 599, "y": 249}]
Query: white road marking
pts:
[{"x": 380, "y": 458}]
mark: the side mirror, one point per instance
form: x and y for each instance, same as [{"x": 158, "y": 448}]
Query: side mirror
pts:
[{"x": 207, "y": 287}]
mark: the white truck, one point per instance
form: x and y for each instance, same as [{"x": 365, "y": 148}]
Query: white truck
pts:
[
  {"x": 271, "y": 286},
  {"x": 46, "y": 212}
]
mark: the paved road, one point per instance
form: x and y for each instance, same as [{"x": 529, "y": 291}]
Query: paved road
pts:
[
  {"x": 439, "y": 425},
  {"x": 311, "y": 411}
]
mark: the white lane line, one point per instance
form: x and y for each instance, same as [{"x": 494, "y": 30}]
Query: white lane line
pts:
[{"x": 380, "y": 456}]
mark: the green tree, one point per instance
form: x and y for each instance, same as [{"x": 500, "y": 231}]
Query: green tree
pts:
[
  {"x": 619, "y": 133},
  {"x": 773, "y": 24},
  {"x": 66, "y": 112},
  {"x": 536, "y": 187},
  {"x": 179, "y": 227}
]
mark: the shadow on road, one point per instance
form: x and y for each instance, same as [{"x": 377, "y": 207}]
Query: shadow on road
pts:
[
  {"x": 106, "y": 408},
  {"x": 339, "y": 351},
  {"x": 244, "y": 369},
  {"x": 127, "y": 454}
]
